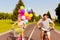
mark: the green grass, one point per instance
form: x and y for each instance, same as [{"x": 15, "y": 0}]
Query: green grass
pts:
[
  {"x": 5, "y": 25},
  {"x": 57, "y": 26}
]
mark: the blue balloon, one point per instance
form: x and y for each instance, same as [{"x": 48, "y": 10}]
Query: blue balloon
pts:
[{"x": 28, "y": 9}]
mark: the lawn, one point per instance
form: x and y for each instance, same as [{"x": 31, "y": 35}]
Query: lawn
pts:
[
  {"x": 6, "y": 25},
  {"x": 57, "y": 26}
]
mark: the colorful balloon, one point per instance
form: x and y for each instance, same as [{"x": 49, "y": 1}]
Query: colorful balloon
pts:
[
  {"x": 22, "y": 11},
  {"x": 19, "y": 11},
  {"x": 21, "y": 7},
  {"x": 26, "y": 21},
  {"x": 26, "y": 14},
  {"x": 28, "y": 18},
  {"x": 23, "y": 17},
  {"x": 20, "y": 15},
  {"x": 30, "y": 15},
  {"x": 28, "y": 9}
]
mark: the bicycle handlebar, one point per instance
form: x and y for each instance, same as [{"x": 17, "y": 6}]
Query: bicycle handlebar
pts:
[{"x": 49, "y": 29}]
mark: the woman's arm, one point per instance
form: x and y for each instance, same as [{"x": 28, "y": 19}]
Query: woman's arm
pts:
[
  {"x": 14, "y": 24},
  {"x": 25, "y": 25}
]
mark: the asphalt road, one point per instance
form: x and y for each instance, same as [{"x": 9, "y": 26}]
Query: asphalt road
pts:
[
  {"x": 36, "y": 33},
  {"x": 31, "y": 32}
]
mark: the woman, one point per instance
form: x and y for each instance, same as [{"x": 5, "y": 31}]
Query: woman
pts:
[{"x": 21, "y": 24}]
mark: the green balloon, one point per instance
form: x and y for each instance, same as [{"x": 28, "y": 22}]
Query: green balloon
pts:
[{"x": 26, "y": 21}]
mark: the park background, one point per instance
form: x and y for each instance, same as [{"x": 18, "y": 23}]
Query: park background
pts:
[{"x": 7, "y": 18}]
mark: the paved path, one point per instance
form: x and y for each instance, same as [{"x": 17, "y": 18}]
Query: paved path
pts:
[
  {"x": 36, "y": 33},
  {"x": 30, "y": 32}
]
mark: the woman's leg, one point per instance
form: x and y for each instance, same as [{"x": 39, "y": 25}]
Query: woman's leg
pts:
[{"x": 22, "y": 34}]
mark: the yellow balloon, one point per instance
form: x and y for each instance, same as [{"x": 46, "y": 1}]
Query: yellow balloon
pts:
[
  {"x": 30, "y": 15},
  {"x": 26, "y": 14},
  {"x": 21, "y": 7}
]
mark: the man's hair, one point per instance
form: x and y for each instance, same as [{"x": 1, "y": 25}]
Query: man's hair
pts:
[{"x": 45, "y": 15}]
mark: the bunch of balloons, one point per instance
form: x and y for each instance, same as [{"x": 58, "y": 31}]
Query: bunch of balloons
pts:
[{"x": 25, "y": 14}]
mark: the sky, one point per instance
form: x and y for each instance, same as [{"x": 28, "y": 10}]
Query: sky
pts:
[{"x": 39, "y": 6}]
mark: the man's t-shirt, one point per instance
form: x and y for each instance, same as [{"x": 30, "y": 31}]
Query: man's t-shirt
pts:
[{"x": 45, "y": 24}]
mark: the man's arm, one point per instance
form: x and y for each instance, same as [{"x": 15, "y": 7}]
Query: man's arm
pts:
[
  {"x": 38, "y": 24},
  {"x": 53, "y": 24}
]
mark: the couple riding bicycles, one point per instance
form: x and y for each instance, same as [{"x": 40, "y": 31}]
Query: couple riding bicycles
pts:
[{"x": 42, "y": 23}]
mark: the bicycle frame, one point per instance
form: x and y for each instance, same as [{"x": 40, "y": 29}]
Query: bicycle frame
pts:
[{"x": 45, "y": 36}]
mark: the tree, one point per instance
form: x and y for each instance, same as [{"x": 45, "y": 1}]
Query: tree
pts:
[
  {"x": 58, "y": 11},
  {"x": 5, "y": 15},
  {"x": 15, "y": 11},
  {"x": 35, "y": 18},
  {"x": 49, "y": 16}
]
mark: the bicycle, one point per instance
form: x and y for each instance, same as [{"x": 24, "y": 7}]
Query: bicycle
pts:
[
  {"x": 16, "y": 34},
  {"x": 45, "y": 37}
]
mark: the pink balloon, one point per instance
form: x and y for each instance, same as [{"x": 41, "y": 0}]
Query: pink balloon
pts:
[
  {"x": 19, "y": 15},
  {"x": 22, "y": 11},
  {"x": 23, "y": 17},
  {"x": 19, "y": 11}
]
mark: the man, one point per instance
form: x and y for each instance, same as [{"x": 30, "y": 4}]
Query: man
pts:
[{"x": 44, "y": 24}]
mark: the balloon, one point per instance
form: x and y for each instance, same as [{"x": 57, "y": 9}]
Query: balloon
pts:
[
  {"x": 30, "y": 15},
  {"x": 20, "y": 15},
  {"x": 23, "y": 17},
  {"x": 26, "y": 21},
  {"x": 26, "y": 14},
  {"x": 21, "y": 7},
  {"x": 29, "y": 9},
  {"x": 22, "y": 11},
  {"x": 28, "y": 18},
  {"x": 19, "y": 11}
]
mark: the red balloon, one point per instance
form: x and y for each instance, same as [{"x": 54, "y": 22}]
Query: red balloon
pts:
[{"x": 28, "y": 18}]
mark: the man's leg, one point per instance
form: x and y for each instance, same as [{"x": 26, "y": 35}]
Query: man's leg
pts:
[
  {"x": 48, "y": 34},
  {"x": 42, "y": 34}
]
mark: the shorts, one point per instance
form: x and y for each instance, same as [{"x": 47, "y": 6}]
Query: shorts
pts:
[{"x": 45, "y": 29}]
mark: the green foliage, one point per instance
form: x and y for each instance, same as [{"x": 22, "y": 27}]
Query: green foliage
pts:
[
  {"x": 15, "y": 12},
  {"x": 48, "y": 13},
  {"x": 58, "y": 12},
  {"x": 5, "y": 25},
  {"x": 35, "y": 18},
  {"x": 5, "y": 16}
]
